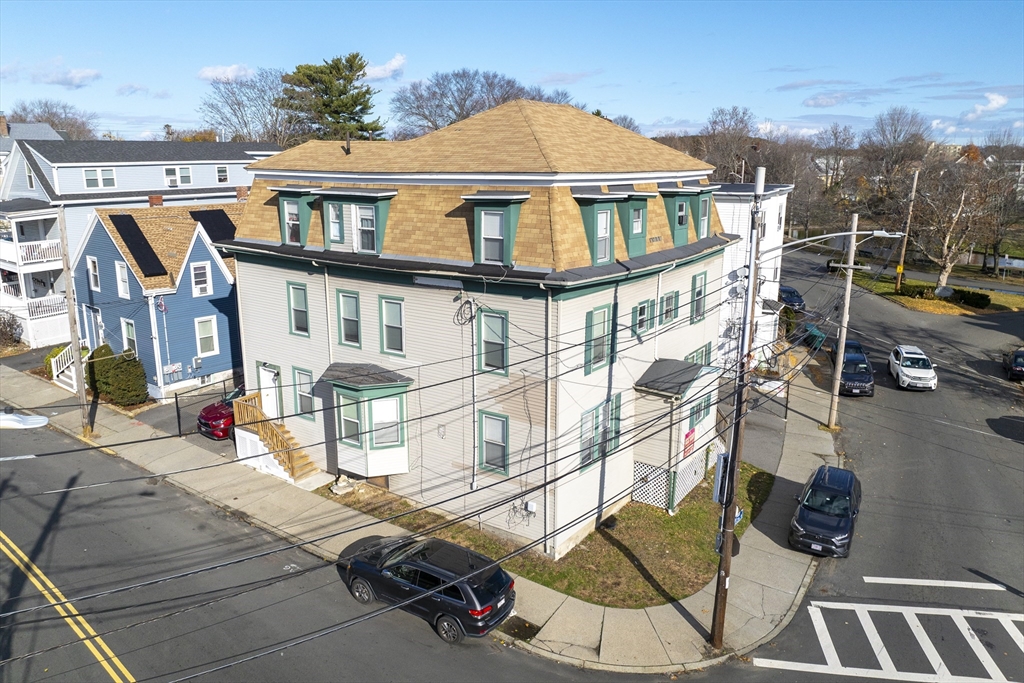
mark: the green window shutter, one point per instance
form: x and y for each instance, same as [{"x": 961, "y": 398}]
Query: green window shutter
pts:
[
  {"x": 633, "y": 325},
  {"x": 587, "y": 347},
  {"x": 652, "y": 318},
  {"x": 615, "y": 421},
  {"x": 661, "y": 312},
  {"x": 675, "y": 304},
  {"x": 707, "y": 354}
]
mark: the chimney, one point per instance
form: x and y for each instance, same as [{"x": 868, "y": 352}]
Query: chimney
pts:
[
  {"x": 156, "y": 200},
  {"x": 241, "y": 193},
  {"x": 5, "y": 130}
]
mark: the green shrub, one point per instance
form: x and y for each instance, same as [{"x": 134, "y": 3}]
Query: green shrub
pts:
[
  {"x": 126, "y": 381},
  {"x": 788, "y": 316},
  {"x": 98, "y": 368},
  {"x": 47, "y": 366},
  {"x": 970, "y": 298},
  {"x": 10, "y": 329},
  {"x": 917, "y": 291}
]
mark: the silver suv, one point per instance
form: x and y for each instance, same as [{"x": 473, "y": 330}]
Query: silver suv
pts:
[{"x": 911, "y": 368}]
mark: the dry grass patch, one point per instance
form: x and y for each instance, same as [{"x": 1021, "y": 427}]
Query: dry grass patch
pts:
[
  {"x": 649, "y": 558},
  {"x": 885, "y": 286}
]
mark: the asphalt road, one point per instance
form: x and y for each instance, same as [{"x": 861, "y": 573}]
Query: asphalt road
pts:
[
  {"x": 97, "y": 539},
  {"x": 943, "y": 481}
]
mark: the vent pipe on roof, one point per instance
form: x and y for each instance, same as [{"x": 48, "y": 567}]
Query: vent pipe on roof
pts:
[{"x": 348, "y": 143}]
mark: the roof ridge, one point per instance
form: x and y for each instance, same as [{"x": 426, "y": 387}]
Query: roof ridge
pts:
[{"x": 529, "y": 124}]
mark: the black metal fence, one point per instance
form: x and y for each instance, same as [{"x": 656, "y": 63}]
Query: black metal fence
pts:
[{"x": 187, "y": 404}]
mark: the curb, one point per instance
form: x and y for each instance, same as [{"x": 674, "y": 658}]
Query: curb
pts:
[{"x": 64, "y": 430}]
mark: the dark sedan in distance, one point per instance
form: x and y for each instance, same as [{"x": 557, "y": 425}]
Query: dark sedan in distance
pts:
[
  {"x": 829, "y": 504},
  {"x": 1013, "y": 363},
  {"x": 461, "y": 592},
  {"x": 856, "y": 375},
  {"x": 791, "y": 298}
]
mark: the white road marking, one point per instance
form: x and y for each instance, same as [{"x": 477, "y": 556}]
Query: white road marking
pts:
[
  {"x": 831, "y": 656},
  {"x": 943, "y": 611},
  {"x": 881, "y": 654},
  {"x": 1014, "y": 632},
  {"x": 976, "y": 431},
  {"x": 926, "y": 644},
  {"x": 979, "y": 648},
  {"x": 16, "y": 457},
  {"x": 828, "y": 672},
  {"x": 974, "y": 585}
]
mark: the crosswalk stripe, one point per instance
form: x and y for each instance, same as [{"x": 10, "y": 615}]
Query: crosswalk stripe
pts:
[
  {"x": 926, "y": 644},
  {"x": 828, "y": 673},
  {"x": 875, "y": 640},
  {"x": 1014, "y": 632},
  {"x": 827, "y": 646},
  {"x": 973, "y": 585},
  {"x": 979, "y": 649}
]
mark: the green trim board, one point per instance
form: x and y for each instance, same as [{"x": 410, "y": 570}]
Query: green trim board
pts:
[
  {"x": 481, "y": 433},
  {"x": 280, "y": 391},
  {"x": 400, "y": 414},
  {"x": 340, "y": 295},
  {"x": 381, "y": 299},
  {"x": 510, "y": 223},
  {"x": 589, "y": 211},
  {"x": 668, "y": 307},
  {"x": 305, "y": 207},
  {"x": 311, "y": 415},
  {"x": 643, "y": 317},
  {"x": 593, "y": 334},
  {"x": 343, "y": 398},
  {"x": 290, "y": 288},
  {"x": 636, "y": 243},
  {"x": 700, "y": 410},
  {"x": 482, "y": 352}
]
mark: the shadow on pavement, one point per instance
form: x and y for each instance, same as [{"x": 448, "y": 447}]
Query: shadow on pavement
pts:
[{"x": 1008, "y": 426}]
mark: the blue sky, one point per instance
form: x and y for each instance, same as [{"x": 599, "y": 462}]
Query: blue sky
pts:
[{"x": 801, "y": 65}]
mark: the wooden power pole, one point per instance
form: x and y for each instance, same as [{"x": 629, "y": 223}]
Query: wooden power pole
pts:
[
  {"x": 906, "y": 233},
  {"x": 76, "y": 347}
]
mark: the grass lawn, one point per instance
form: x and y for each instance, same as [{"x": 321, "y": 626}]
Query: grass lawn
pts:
[
  {"x": 649, "y": 558},
  {"x": 885, "y": 286}
]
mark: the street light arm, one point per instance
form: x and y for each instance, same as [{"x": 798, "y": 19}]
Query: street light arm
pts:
[{"x": 875, "y": 233}]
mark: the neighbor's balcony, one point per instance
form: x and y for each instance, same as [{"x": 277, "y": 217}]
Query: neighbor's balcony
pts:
[
  {"x": 28, "y": 253},
  {"x": 11, "y": 299}
]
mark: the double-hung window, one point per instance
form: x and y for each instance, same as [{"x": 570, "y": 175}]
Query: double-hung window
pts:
[
  {"x": 392, "y": 325},
  {"x": 298, "y": 309},
  {"x": 177, "y": 175},
  {"x": 701, "y": 355},
  {"x": 494, "y": 437},
  {"x": 698, "y": 296},
  {"x": 682, "y": 215},
  {"x": 93, "y": 267},
  {"x": 122, "y": 280},
  {"x": 292, "y": 232},
  {"x": 348, "y": 318},
  {"x": 705, "y": 216},
  {"x": 599, "y": 430},
  {"x": 348, "y": 410},
  {"x": 201, "y": 285},
  {"x": 206, "y": 336},
  {"x": 334, "y": 223},
  {"x": 493, "y": 341},
  {"x": 603, "y": 236},
  {"x": 303, "y": 380},
  {"x": 387, "y": 428},
  {"x": 638, "y": 221},
  {"x": 98, "y": 177},
  {"x": 29, "y": 178},
  {"x": 222, "y": 174},
  {"x": 669, "y": 307},
  {"x": 128, "y": 336},
  {"x": 597, "y": 350},
  {"x": 366, "y": 224},
  {"x": 643, "y": 317},
  {"x": 700, "y": 410},
  {"x": 493, "y": 235}
]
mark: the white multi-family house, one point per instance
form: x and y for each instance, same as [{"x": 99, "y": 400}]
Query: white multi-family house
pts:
[
  {"x": 81, "y": 176},
  {"x": 735, "y": 202},
  {"x": 512, "y": 319}
]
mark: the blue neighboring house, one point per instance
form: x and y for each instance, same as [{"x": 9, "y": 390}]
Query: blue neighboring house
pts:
[{"x": 152, "y": 280}]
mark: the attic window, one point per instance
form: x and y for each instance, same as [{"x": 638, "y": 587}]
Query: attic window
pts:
[
  {"x": 495, "y": 219},
  {"x": 291, "y": 222}
]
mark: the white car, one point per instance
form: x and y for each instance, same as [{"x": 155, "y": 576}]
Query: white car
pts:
[{"x": 912, "y": 369}]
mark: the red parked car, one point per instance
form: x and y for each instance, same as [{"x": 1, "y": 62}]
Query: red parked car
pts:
[{"x": 217, "y": 420}]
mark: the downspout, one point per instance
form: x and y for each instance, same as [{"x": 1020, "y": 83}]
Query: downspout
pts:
[
  {"x": 327, "y": 313},
  {"x": 472, "y": 370},
  {"x": 549, "y": 508},
  {"x": 658, "y": 304},
  {"x": 155, "y": 338},
  {"x": 674, "y": 403}
]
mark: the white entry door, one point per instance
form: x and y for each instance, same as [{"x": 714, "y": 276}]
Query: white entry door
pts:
[{"x": 269, "y": 385}]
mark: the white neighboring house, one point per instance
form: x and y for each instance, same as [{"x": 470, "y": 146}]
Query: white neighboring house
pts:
[
  {"x": 10, "y": 132},
  {"x": 81, "y": 176},
  {"x": 735, "y": 202}
]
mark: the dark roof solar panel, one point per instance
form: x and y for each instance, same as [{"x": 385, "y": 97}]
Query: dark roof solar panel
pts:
[
  {"x": 138, "y": 245},
  {"x": 217, "y": 223}
]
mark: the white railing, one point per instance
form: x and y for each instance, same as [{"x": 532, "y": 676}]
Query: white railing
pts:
[
  {"x": 8, "y": 251},
  {"x": 65, "y": 361},
  {"x": 47, "y": 306},
  {"x": 11, "y": 289},
  {"x": 36, "y": 252}
]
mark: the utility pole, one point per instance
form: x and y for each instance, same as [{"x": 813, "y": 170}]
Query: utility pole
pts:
[
  {"x": 837, "y": 371},
  {"x": 76, "y": 347},
  {"x": 906, "y": 233},
  {"x": 739, "y": 407}
]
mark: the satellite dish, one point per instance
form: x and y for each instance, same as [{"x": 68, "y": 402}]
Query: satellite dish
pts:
[{"x": 943, "y": 292}]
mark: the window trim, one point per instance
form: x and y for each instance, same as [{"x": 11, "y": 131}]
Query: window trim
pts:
[
  {"x": 340, "y": 397},
  {"x": 125, "y": 322},
  {"x": 399, "y": 397},
  {"x": 358, "y": 229},
  {"x": 589, "y": 366},
  {"x": 121, "y": 268},
  {"x": 651, "y": 317},
  {"x": 209, "y": 278},
  {"x": 296, "y": 394},
  {"x": 92, "y": 267},
  {"x": 704, "y": 226},
  {"x": 696, "y": 317},
  {"x": 700, "y": 410},
  {"x": 482, "y": 416},
  {"x": 329, "y": 238},
  {"x": 291, "y": 310},
  {"x": 178, "y": 182},
  {"x": 668, "y": 313},
  {"x": 30, "y": 178},
  {"x": 287, "y": 224},
  {"x": 227, "y": 174},
  {"x": 597, "y": 236},
  {"x": 702, "y": 356},
  {"x": 339, "y": 295},
  {"x": 214, "y": 334},
  {"x": 480, "y": 366},
  {"x": 100, "y": 184},
  {"x": 381, "y": 300},
  {"x": 485, "y": 238},
  {"x": 606, "y": 437}
]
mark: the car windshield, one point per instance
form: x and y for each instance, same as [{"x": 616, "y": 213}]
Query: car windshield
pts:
[
  {"x": 1018, "y": 359},
  {"x": 918, "y": 363},
  {"x": 855, "y": 367},
  {"x": 402, "y": 551},
  {"x": 235, "y": 393},
  {"x": 828, "y": 502}
]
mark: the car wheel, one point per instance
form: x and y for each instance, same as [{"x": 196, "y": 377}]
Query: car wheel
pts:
[
  {"x": 361, "y": 591},
  {"x": 449, "y": 630}
]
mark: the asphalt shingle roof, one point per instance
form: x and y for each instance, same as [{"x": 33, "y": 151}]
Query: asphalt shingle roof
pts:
[
  {"x": 19, "y": 205},
  {"x": 669, "y": 376},
  {"x": 363, "y": 375},
  {"x": 110, "y": 152}
]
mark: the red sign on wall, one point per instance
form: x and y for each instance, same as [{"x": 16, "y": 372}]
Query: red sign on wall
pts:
[{"x": 688, "y": 443}]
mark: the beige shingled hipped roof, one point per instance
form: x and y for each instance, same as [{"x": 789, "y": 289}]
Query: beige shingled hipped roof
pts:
[
  {"x": 168, "y": 229},
  {"x": 523, "y": 136}
]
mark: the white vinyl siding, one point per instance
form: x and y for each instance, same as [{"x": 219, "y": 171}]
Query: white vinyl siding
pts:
[
  {"x": 122, "y": 280},
  {"x": 206, "y": 337}
]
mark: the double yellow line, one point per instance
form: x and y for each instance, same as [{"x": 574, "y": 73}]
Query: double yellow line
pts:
[{"x": 76, "y": 621}]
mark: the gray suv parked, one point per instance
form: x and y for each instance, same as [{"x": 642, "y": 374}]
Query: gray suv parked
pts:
[{"x": 400, "y": 568}]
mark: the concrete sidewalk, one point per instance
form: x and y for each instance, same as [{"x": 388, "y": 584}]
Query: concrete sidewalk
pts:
[{"x": 768, "y": 578}]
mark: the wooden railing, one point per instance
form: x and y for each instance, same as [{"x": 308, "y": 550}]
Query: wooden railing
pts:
[{"x": 249, "y": 416}]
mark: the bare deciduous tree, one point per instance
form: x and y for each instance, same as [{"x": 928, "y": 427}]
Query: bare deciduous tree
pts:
[
  {"x": 627, "y": 122},
  {"x": 833, "y": 150},
  {"x": 243, "y": 110},
  {"x": 725, "y": 140},
  {"x": 77, "y": 123}
]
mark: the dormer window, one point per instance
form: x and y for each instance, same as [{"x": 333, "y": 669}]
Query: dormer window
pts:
[
  {"x": 495, "y": 220},
  {"x": 292, "y": 226},
  {"x": 98, "y": 177},
  {"x": 603, "y": 236},
  {"x": 493, "y": 236},
  {"x": 682, "y": 214},
  {"x": 705, "y": 217},
  {"x": 334, "y": 223},
  {"x": 638, "y": 221},
  {"x": 354, "y": 218},
  {"x": 367, "y": 226}
]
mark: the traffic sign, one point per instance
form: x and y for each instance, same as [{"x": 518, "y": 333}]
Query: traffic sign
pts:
[{"x": 899, "y": 268}]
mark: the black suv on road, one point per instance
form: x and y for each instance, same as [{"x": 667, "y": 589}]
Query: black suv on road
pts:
[
  {"x": 856, "y": 376},
  {"x": 399, "y": 568},
  {"x": 823, "y": 522}
]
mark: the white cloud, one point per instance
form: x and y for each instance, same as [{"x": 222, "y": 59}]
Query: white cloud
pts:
[
  {"x": 390, "y": 69},
  {"x": 563, "y": 78},
  {"x": 10, "y": 72},
  {"x": 162, "y": 95},
  {"x": 234, "y": 72},
  {"x": 129, "y": 89},
  {"x": 1018, "y": 124},
  {"x": 995, "y": 103},
  {"x": 72, "y": 79}
]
